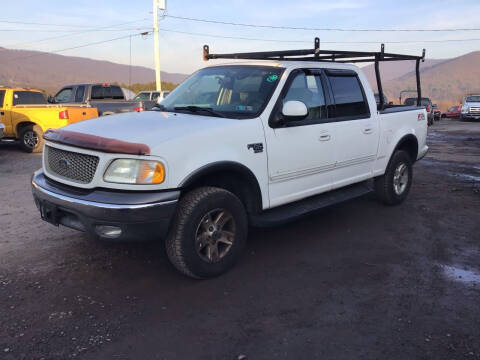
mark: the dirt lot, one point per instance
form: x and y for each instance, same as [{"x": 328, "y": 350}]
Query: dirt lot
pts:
[{"x": 355, "y": 281}]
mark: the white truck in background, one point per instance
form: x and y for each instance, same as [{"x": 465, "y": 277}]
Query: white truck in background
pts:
[
  {"x": 258, "y": 142},
  {"x": 471, "y": 108}
]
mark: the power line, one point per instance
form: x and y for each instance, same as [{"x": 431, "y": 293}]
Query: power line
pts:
[
  {"x": 315, "y": 29},
  {"x": 67, "y": 31},
  {"x": 75, "y": 33},
  {"x": 322, "y": 42},
  {"x": 41, "y": 53},
  {"x": 58, "y": 25}
]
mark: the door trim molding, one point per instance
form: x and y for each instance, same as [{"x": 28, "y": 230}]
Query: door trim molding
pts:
[{"x": 316, "y": 170}]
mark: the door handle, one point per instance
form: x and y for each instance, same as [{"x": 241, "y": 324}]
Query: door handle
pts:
[
  {"x": 367, "y": 131},
  {"x": 324, "y": 137}
]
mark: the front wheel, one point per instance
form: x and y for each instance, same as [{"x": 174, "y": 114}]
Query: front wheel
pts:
[
  {"x": 208, "y": 234},
  {"x": 393, "y": 187},
  {"x": 31, "y": 138}
]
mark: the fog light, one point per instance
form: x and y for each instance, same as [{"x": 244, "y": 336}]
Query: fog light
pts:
[{"x": 108, "y": 231}]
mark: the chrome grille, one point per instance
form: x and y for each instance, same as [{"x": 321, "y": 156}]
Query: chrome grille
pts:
[
  {"x": 475, "y": 110},
  {"x": 71, "y": 165}
]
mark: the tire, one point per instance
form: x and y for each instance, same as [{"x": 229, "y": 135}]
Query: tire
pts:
[
  {"x": 195, "y": 234},
  {"x": 393, "y": 187},
  {"x": 31, "y": 139}
]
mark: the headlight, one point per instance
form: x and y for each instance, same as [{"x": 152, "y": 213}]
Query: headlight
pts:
[
  {"x": 464, "y": 110},
  {"x": 131, "y": 171}
]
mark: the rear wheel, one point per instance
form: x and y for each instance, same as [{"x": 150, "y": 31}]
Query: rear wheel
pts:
[
  {"x": 208, "y": 234},
  {"x": 31, "y": 138},
  {"x": 393, "y": 187}
]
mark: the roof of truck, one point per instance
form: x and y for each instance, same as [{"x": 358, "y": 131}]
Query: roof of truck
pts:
[
  {"x": 290, "y": 64},
  {"x": 19, "y": 89}
]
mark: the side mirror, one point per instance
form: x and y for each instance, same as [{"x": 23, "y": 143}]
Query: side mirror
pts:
[{"x": 294, "y": 110}]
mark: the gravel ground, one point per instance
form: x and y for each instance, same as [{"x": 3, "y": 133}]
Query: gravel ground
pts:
[{"x": 355, "y": 281}]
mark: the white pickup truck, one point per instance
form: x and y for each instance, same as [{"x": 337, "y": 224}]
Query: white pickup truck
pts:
[
  {"x": 258, "y": 142},
  {"x": 471, "y": 108}
]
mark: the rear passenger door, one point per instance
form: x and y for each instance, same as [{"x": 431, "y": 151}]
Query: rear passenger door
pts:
[
  {"x": 356, "y": 129},
  {"x": 300, "y": 152}
]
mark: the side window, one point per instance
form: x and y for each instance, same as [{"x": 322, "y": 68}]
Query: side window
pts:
[
  {"x": 307, "y": 88},
  {"x": 28, "y": 98},
  {"x": 64, "y": 96},
  {"x": 116, "y": 92},
  {"x": 97, "y": 92},
  {"x": 2, "y": 96},
  {"x": 79, "y": 94},
  {"x": 155, "y": 96},
  {"x": 348, "y": 96}
]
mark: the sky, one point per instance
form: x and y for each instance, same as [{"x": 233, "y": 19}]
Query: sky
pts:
[{"x": 67, "y": 24}]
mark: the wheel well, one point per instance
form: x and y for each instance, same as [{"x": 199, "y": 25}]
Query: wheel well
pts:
[
  {"x": 21, "y": 125},
  {"x": 232, "y": 177},
  {"x": 409, "y": 144}
]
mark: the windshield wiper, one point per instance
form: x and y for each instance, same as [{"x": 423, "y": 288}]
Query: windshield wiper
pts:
[
  {"x": 159, "y": 107},
  {"x": 194, "y": 109}
]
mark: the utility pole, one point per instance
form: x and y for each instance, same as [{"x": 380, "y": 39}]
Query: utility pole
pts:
[{"x": 157, "y": 4}]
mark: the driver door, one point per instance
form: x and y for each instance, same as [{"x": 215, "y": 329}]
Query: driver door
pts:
[{"x": 301, "y": 154}]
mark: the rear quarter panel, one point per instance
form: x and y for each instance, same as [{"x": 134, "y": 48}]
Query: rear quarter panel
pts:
[
  {"x": 47, "y": 117},
  {"x": 395, "y": 126}
]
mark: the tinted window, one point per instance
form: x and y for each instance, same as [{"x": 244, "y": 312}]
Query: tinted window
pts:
[
  {"x": 79, "y": 94},
  {"x": 307, "y": 88},
  {"x": 2, "y": 96},
  {"x": 106, "y": 92},
  {"x": 413, "y": 101},
  {"x": 155, "y": 95},
  {"x": 348, "y": 96},
  {"x": 117, "y": 92},
  {"x": 28, "y": 98}
]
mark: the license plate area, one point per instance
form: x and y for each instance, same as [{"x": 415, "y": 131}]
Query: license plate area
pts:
[{"x": 49, "y": 212}]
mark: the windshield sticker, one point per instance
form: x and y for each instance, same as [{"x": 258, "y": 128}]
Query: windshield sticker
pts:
[
  {"x": 272, "y": 78},
  {"x": 244, "y": 108}
]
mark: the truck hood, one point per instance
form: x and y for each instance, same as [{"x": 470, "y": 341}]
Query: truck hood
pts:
[{"x": 151, "y": 128}]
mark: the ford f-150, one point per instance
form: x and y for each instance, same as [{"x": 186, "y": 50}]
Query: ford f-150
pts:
[{"x": 258, "y": 142}]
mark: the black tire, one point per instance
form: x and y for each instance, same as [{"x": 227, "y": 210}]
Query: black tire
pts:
[
  {"x": 31, "y": 138},
  {"x": 389, "y": 190},
  {"x": 183, "y": 249}
]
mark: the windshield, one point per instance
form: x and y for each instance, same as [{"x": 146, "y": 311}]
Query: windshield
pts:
[
  {"x": 230, "y": 91},
  {"x": 142, "y": 96},
  {"x": 413, "y": 101},
  {"x": 475, "y": 98}
]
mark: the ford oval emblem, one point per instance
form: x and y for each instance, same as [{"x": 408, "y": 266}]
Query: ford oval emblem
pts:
[{"x": 63, "y": 164}]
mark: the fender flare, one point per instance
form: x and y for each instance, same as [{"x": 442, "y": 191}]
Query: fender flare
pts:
[
  {"x": 403, "y": 140},
  {"x": 227, "y": 166}
]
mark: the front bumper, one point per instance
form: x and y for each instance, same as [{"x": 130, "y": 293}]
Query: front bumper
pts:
[
  {"x": 469, "y": 116},
  {"x": 139, "y": 215}
]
